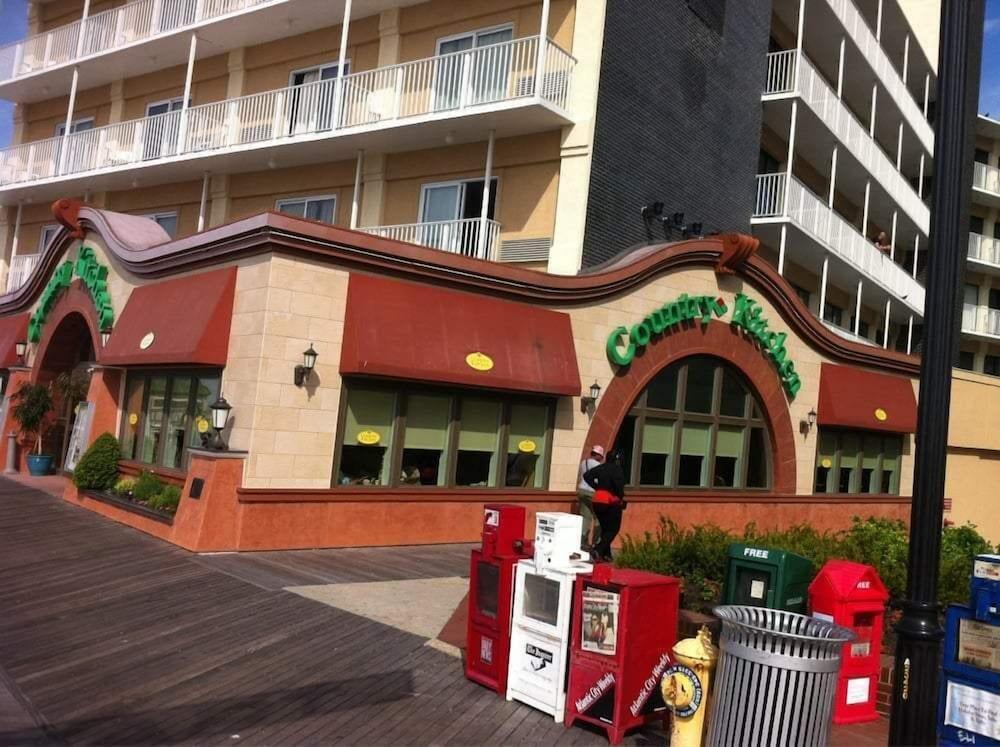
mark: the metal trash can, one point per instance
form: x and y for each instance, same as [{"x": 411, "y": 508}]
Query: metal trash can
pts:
[{"x": 776, "y": 678}]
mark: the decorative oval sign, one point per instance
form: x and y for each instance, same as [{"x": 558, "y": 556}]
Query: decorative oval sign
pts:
[
  {"x": 527, "y": 446},
  {"x": 881, "y": 415},
  {"x": 479, "y": 361},
  {"x": 369, "y": 438},
  {"x": 133, "y": 418},
  {"x": 146, "y": 341},
  {"x": 826, "y": 463},
  {"x": 202, "y": 425}
]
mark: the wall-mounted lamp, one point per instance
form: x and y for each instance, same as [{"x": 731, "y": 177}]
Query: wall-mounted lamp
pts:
[
  {"x": 220, "y": 416},
  {"x": 807, "y": 425},
  {"x": 308, "y": 364},
  {"x": 589, "y": 401},
  {"x": 105, "y": 336},
  {"x": 21, "y": 348}
]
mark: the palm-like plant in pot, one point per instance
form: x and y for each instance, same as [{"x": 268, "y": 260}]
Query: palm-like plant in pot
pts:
[{"x": 33, "y": 404}]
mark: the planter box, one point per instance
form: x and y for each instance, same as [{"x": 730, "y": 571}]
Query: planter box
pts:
[{"x": 123, "y": 503}]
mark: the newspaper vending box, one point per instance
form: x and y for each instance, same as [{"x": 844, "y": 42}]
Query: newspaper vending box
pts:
[
  {"x": 543, "y": 602},
  {"x": 624, "y": 626}
]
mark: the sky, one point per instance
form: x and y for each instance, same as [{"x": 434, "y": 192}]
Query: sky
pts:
[{"x": 13, "y": 22}]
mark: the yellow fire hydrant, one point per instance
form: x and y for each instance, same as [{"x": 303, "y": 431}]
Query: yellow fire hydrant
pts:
[{"x": 686, "y": 686}]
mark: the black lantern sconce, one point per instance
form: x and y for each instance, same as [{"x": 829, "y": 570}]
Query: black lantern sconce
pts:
[
  {"x": 587, "y": 402},
  {"x": 21, "y": 348},
  {"x": 308, "y": 364},
  {"x": 220, "y": 416},
  {"x": 807, "y": 425}
]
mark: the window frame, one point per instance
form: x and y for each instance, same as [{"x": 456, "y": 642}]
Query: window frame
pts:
[
  {"x": 47, "y": 227},
  {"x": 319, "y": 70},
  {"x": 169, "y": 102},
  {"x": 170, "y": 374},
  {"x": 861, "y": 435},
  {"x": 461, "y": 184},
  {"x": 401, "y": 392},
  {"x": 73, "y": 124},
  {"x": 475, "y": 34},
  {"x": 307, "y": 199},
  {"x": 679, "y": 417},
  {"x": 175, "y": 214}
]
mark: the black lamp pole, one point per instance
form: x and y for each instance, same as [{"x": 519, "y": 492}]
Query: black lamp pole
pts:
[{"x": 918, "y": 647}]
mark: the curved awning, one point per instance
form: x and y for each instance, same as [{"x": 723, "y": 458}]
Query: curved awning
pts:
[
  {"x": 854, "y": 398},
  {"x": 417, "y": 332}
]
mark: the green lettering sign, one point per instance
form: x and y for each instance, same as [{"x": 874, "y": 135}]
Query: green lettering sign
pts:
[
  {"x": 625, "y": 343},
  {"x": 94, "y": 277}
]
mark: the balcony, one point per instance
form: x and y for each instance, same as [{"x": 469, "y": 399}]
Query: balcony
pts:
[
  {"x": 422, "y": 104},
  {"x": 818, "y": 232},
  {"x": 20, "y": 269},
  {"x": 147, "y": 35},
  {"x": 980, "y": 321},
  {"x": 986, "y": 184},
  {"x": 985, "y": 252},
  {"x": 790, "y": 74},
  {"x": 455, "y": 236}
]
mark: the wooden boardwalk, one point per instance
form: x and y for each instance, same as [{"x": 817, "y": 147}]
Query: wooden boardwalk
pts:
[{"x": 111, "y": 637}]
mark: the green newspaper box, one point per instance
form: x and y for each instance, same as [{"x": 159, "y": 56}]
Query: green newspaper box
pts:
[{"x": 767, "y": 578}]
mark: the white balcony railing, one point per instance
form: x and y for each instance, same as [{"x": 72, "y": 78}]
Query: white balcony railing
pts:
[
  {"x": 786, "y": 74},
  {"x": 980, "y": 320},
  {"x": 814, "y": 217},
  {"x": 984, "y": 249},
  {"x": 848, "y": 334},
  {"x": 456, "y": 236},
  {"x": 858, "y": 29},
  {"x": 986, "y": 177},
  {"x": 111, "y": 29},
  {"x": 20, "y": 269},
  {"x": 443, "y": 85}
]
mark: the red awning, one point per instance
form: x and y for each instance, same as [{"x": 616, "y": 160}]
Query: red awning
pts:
[
  {"x": 852, "y": 398},
  {"x": 179, "y": 321},
  {"x": 426, "y": 333},
  {"x": 13, "y": 329}
]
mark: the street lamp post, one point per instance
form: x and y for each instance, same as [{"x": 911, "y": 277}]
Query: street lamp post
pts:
[{"x": 918, "y": 647}]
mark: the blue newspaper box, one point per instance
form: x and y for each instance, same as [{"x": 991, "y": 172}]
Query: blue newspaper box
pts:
[{"x": 969, "y": 703}]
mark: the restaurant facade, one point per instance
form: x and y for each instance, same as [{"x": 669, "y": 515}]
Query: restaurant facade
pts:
[{"x": 442, "y": 383}]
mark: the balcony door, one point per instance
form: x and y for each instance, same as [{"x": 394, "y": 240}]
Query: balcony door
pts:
[
  {"x": 81, "y": 152},
  {"x": 451, "y": 210},
  {"x": 481, "y": 77},
  {"x": 311, "y": 103},
  {"x": 970, "y": 301},
  {"x": 161, "y": 128}
]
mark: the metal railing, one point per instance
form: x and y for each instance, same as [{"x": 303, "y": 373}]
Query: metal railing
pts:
[
  {"x": 848, "y": 334},
  {"x": 984, "y": 249},
  {"x": 858, "y": 29},
  {"x": 813, "y": 216},
  {"x": 20, "y": 270},
  {"x": 770, "y": 199},
  {"x": 785, "y": 74},
  {"x": 980, "y": 320},
  {"x": 456, "y": 236},
  {"x": 111, "y": 29},
  {"x": 986, "y": 177},
  {"x": 444, "y": 85}
]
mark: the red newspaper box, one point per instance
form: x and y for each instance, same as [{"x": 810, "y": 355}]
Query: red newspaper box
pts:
[
  {"x": 491, "y": 591},
  {"x": 624, "y": 626},
  {"x": 852, "y": 595}
]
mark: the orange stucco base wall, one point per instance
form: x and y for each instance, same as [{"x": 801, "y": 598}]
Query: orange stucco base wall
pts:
[{"x": 226, "y": 517}]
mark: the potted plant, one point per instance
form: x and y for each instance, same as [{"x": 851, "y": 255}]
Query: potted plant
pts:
[{"x": 33, "y": 404}]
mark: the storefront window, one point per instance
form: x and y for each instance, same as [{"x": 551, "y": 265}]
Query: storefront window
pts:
[
  {"x": 857, "y": 462},
  {"x": 165, "y": 413},
  {"x": 442, "y": 440},
  {"x": 718, "y": 439}
]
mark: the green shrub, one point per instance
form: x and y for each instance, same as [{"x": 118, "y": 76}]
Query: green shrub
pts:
[
  {"x": 146, "y": 486},
  {"x": 167, "y": 499},
  {"x": 124, "y": 486},
  {"x": 98, "y": 467},
  {"x": 697, "y": 555}
]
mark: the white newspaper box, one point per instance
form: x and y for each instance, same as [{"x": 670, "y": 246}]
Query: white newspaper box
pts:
[{"x": 543, "y": 604}]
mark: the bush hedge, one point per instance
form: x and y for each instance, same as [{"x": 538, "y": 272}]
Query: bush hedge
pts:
[
  {"x": 146, "y": 486},
  {"x": 166, "y": 500},
  {"x": 698, "y": 554},
  {"x": 98, "y": 467}
]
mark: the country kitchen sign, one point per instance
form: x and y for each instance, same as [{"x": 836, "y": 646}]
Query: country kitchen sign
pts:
[
  {"x": 95, "y": 279},
  {"x": 624, "y": 342}
]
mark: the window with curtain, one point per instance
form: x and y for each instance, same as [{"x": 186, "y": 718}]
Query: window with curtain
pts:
[
  {"x": 698, "y": 424},
  {"x": 165, "y": 413},
  {"x": 858, "y": 462},
  {"x": 422, "y": 437}
]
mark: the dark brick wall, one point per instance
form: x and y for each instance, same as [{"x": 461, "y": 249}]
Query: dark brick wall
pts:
[{"x": 678, "y": 117}]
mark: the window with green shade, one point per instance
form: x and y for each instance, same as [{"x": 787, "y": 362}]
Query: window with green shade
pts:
[
  {"x": 697, "y": 425},
  {"x": 396, "y": 437},
  {"x": 857, "y": 462},
  {"x": 165, "y": 414}
]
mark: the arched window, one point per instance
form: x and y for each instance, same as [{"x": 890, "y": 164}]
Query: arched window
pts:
[{"x": 698, "y": 424}]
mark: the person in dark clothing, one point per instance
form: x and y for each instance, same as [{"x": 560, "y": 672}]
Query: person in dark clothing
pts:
[{"x": 608, "y": 482}]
